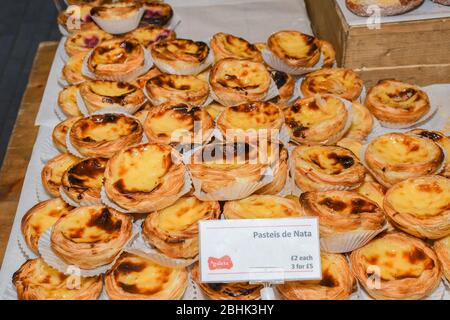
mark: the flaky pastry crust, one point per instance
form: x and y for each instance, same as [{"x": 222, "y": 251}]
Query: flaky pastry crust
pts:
[
  {"x": 395, "y": 157},
  {"x": 321, "y": 168},
  {"x": 337, "y": 282},
  {"x": 103, "y": 135},
  {"x": 35, "y": 280},
  {"x": 90, "y": 237},
  {"x": 144, "y": 178},
  {"x": 407, "y": 269},
  {"x": 136, "y": 277},
  {"x": 174, "y": 230}
]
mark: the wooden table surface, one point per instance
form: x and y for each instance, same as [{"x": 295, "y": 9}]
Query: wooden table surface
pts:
[{"x": 22, "y": 140}]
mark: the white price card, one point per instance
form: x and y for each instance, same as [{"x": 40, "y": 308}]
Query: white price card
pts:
[{"x": 260, "y": 250}]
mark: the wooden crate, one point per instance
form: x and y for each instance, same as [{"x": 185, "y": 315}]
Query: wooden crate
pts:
[{"x": 414, "y": 51}]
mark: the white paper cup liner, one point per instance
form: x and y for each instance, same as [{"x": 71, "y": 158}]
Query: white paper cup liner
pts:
[
  {"x": 120, "y": 26},
  {"x": 49, "y": 256},
  {"x": 71, "y": 202},
  {"x": 148, "y": 63},
  {"x": 70, "y": 147},
  {"x": 437, "y": 294},
  {"x": 81, "y": 104},
  {"x": 48, "y": 150},
  {"x": 140, "y": 245},
  {"x": 64, "y": 31},
  {"x": 25, "y": 250},
  {"x": 41, "y": 193},
  {"x": 236, "y": 191},
  {"x": 59, "y": 113},
  {"x": 64, "y": 55},
  {"x": 108, "y": 202},
  {"x": 166, "y": 68},
  {"x": 174, "y": 23},
  {"x": 276, "y": 63},
  {"x": 349, "y": 241},
  {"x": 62, "y": 82}
]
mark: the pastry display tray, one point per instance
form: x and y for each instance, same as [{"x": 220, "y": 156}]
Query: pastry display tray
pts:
[{"x": 428, "y": 10}]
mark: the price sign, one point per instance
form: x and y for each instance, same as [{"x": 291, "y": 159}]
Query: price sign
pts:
[{"x": 260, "y": 250}]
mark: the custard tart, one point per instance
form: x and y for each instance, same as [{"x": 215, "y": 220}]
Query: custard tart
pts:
[
  {"x": 385, "y": 7},
  {"x": 53, "y": 171},
  {"x": 136, "y": 277},
  {"x": 317, "y": 120},
  {"x": 420, "y": 206},
  {"x": 234, "y": 166},
  {"x": 442, "y": 140},
  {"x": 84, "y": 41},
  {"x": 237, "y": 81},
  {"x": 98, "y": 95},
  {"x": 362, "y": 122},
  {"x": 442, "y": 249},
  {"x": 41, "y": 217},
  {"x": 156, "y": 13},
  {"x": 337, "y": 282},
  {"x": 395, "y": 157},
  {"x": 341, "y": 212},
  {"x": 344, "y": 83},
  {"x": 178, "y": 123},
  {"x": 174, "y": 230},
  {"x": 227, "y": 291},
  {"x": 225, "y": 45},
  {"x": 172, "y": 88},
  {"x": 67, "y": 101},
  {"x": 118, "y": 59},
  {"x": 150, "y": 35},
  {"x": 397, "y": 104},
  {"x": 395, "y": 266},
  {"x": 36, "y": 280},
  {"x": 82, "y": 182},
  {"x": 103, "y": 135},
  {"x": 262, "y": 207},
  {"x": 322, "y": 168},
  {"x": 144, "y": 178},
  {"x": 294, "y": 48},
  {"x": 264, "y": 119},
  {"x": 59, "y": 134},
  {"x": 180, "y": 55},
  {"x": 71, "y": 71},
  {"x": 90, "y": 237}
]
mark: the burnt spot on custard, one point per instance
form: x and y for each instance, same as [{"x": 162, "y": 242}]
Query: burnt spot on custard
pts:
[
  {"x": 184, "y": 46},
  {"x": 333, "y": 204},
  {"x": 431, "y": 135},
  {"x": 328, "y": 280},
  {"x": 360, "y": 205},
  {"x": 127, "y": 267},
  {"x": 345, "y": 161},
  {"x": 232, "y": 81},
  {"x": 104, "y": 221},
  {"x": 280, "y": 78},
  {"x": 81, "y": 172},
  {"x": 233, "y": 290},
  {"x": 298, "y": 129},
  {"x": 403, "y": 95},
  {"x": 170, "y": 81}
]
